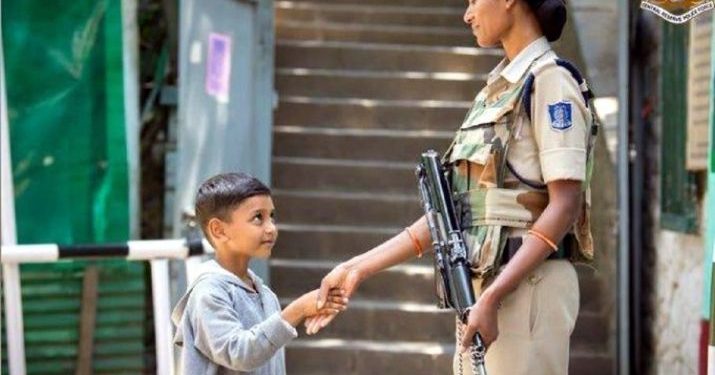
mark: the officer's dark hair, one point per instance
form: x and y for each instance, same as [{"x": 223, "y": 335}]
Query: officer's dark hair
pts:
[
  {"x": 551, "y": 15},
  {"x": 221, "y": 194}
]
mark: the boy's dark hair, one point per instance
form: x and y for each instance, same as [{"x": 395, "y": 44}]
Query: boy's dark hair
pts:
[{"x": 221, "y": 194}]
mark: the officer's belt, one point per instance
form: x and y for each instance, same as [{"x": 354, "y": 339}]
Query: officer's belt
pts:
[
  {"x": 567, "y": 246},
  {"x": 515, "y": 208}
]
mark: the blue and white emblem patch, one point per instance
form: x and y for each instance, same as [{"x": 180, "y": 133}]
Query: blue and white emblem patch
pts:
[{"x": 560, "y": 115}]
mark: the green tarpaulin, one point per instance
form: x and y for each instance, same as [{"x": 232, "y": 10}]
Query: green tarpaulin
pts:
[{"x": 65, "y": 93}]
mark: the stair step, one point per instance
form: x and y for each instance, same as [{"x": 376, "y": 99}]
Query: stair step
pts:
[
  {"x": 347, "y": 209},
  {"x": 328, "y": 243},
  {"x": 384, "y": 57},
  {"x": 373, "y": 114},
  {"x": 375, "y": 320},
  {"x": 591, "y": 331},
  {"x": 404, "y": 283},
  {"x": 362, "y": 132},
  {"x": 378, "y": 85},
  {"x": 591, "y": 290},
  {"x": 330, "y": 356},
  {"x": 591, "y": 364},
  {"x": 321, "y": 175},
  {"x": 368, "y": 147},
  {"x": 369, "y": 320},
  {"x": 442, "y": 36},
  {"x": 368, "y": 14}
]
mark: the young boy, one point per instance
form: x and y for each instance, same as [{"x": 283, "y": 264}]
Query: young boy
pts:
[{"x": 229, "y": 322}]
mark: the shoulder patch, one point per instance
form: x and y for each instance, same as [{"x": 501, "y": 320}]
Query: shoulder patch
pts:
[{"x": 560, "y": 115}]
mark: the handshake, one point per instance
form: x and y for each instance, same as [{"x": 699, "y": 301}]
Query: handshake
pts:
[{"x": 319, "y": 307}]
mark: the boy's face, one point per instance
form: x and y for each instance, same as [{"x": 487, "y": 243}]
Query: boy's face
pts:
[{"x": 251, "y": 230}]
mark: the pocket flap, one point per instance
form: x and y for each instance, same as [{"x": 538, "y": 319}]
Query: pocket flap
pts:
[
  {"x": 471, "y": 149},
  {"x": 483, "y": 113}
]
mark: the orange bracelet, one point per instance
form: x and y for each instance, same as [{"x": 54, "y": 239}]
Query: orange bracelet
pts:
[
  {"x": 542, "y": 237},
  {"x": 418, "y": 247}
]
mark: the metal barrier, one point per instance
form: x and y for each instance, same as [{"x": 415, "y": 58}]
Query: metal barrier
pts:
[{"x": 157, "y": 252}]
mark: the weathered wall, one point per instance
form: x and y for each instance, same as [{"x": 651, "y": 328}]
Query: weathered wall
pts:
[{"x": 678, "y": 299}]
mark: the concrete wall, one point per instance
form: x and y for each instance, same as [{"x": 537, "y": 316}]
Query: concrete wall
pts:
[
  {"x": 678, "y": 278},
  {"x": 677, "y": 302}
]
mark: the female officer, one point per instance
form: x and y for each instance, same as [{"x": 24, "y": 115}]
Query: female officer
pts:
[{"x": 519, "y": 174}]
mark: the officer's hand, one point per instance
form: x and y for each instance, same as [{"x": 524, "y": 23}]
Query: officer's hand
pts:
[
  {"x": 342, "y": 277},
  {"x": 483, "y": 319}
]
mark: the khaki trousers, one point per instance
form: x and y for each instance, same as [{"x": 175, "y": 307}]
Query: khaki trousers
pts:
[{"x": 535, "y": 324}]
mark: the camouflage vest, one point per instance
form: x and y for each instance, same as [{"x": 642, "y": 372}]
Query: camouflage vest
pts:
[{"x": 487, "y": 206}]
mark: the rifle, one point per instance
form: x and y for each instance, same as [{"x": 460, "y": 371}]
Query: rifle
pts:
[{"x": 454, "y": 285}]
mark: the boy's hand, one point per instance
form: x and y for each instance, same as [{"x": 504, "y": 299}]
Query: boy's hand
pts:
[
  {"x": 305, "y": 306},
  {"x": 336, "y": 302},
  {"x": 342, "y": 276},
  {"x": 327, "y": 313}
]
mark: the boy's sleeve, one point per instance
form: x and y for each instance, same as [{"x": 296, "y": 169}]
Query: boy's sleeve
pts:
[
  {"x": 561, "y": 123},
  {"x": 220, "y": 335}
]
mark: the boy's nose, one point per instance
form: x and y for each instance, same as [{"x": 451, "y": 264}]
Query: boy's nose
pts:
[
  {"x": 271, "y": 227},
  {"x": 468, "y": 15}
]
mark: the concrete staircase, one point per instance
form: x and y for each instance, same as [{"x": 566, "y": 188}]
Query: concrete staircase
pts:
[{"x": 364, "y": 87}]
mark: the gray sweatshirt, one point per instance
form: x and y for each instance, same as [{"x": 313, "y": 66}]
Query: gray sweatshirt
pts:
[{"x": 224, "y": 327}]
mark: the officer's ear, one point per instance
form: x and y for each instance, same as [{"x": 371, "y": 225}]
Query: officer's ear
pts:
[{"x": 509, "y": 4}]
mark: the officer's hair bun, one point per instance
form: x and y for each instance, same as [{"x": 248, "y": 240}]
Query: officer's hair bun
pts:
[{"x": 551, "y": 15}]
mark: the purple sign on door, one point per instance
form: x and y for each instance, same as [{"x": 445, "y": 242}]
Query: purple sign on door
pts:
[{"x": 218, "y": 66}]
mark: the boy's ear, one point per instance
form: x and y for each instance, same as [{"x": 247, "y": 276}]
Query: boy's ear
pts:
[{"x": 215, "y": 229}]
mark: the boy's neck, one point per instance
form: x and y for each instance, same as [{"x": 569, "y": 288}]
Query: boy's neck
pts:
[{"x": 236, "y": 264}]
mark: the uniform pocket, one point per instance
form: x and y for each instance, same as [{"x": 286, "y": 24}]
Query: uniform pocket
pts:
[
  {"x": 515, "y": 312},
  {"x": 555, "y": 301},
  {"x": 535, "y": 309},
  {"x": 474, "y": 144},
  {"x": 486, "y": 114}
]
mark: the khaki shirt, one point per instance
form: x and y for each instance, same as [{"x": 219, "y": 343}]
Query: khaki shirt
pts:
[{"x": 542, "y": 151}]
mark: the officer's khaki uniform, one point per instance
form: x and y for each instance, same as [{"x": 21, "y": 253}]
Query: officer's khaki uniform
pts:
[{"x": 536, "y": 320}]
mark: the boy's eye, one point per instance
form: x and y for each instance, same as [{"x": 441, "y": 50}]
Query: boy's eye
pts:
[{"x": 257, "y": 218}]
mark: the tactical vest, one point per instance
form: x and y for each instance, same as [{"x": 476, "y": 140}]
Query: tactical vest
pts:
[{"x": 483, "y": 142}]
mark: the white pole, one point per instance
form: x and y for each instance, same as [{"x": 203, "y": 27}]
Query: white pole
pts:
[
  {"x": 162, "y": 317},
  {"x": 130, "y": 60},
  {"x": 10, "y": 272},
  {"x": 192, "y": 264},
  {"x": 192, "y": 269}
]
